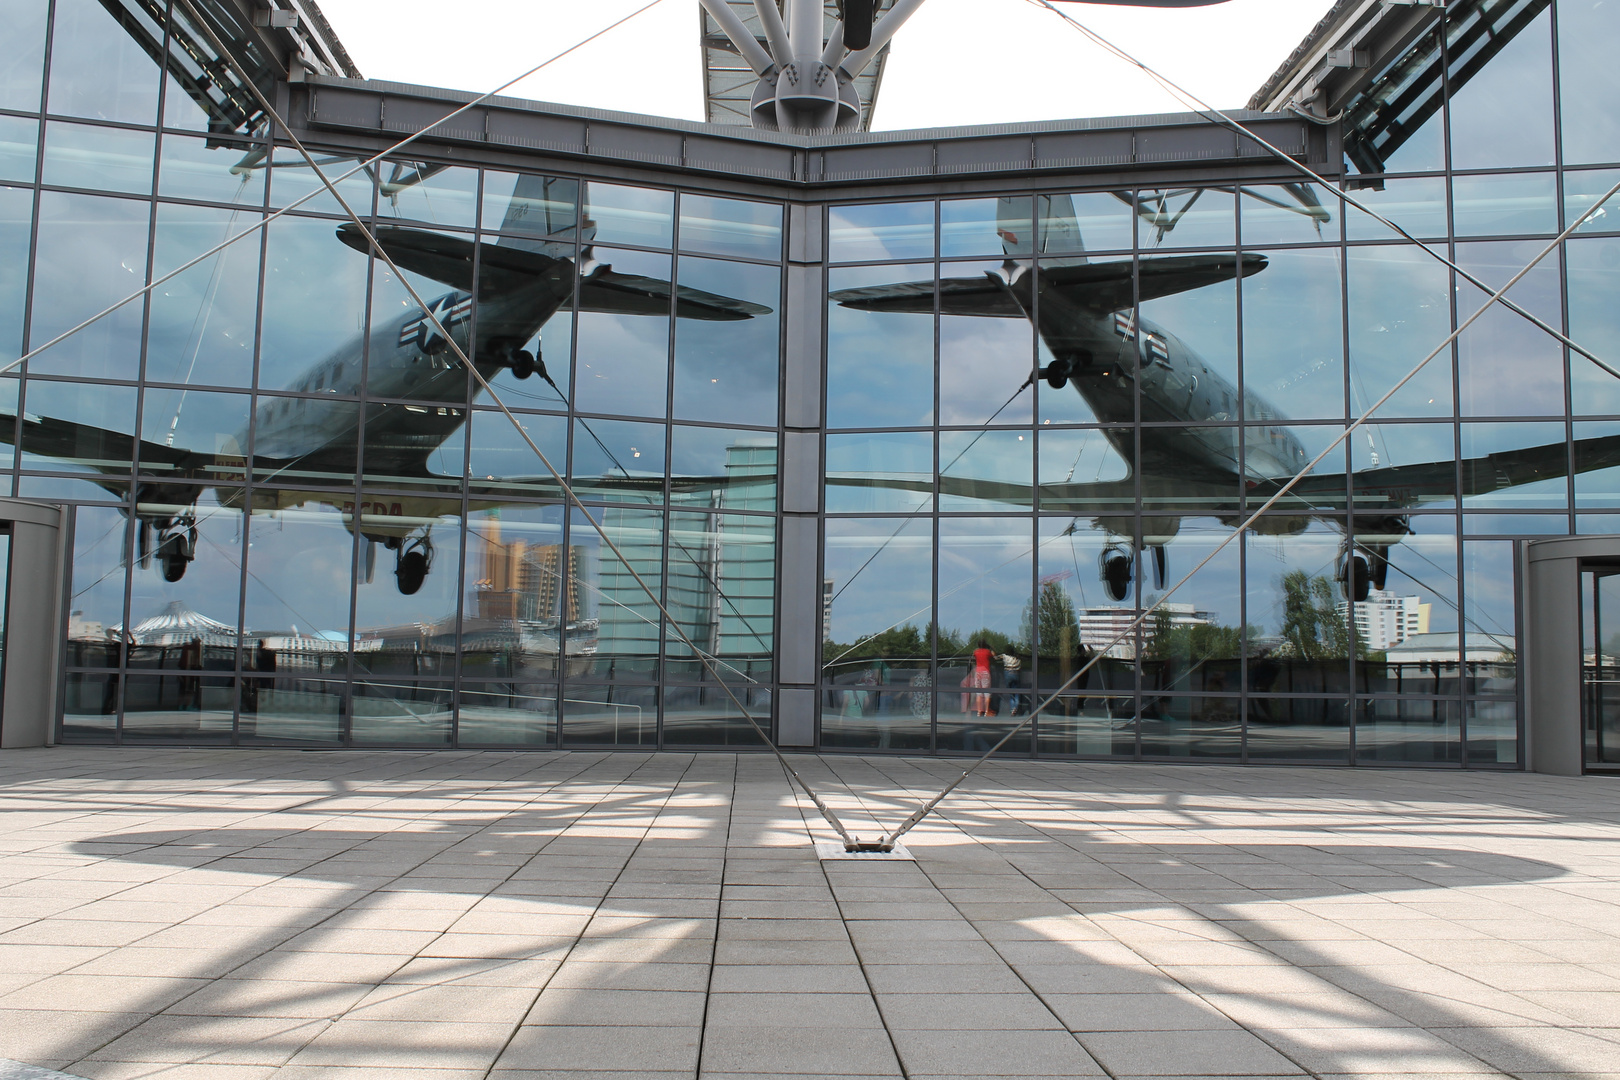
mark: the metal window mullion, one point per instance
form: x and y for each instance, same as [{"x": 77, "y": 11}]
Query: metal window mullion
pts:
[
  {"x": 465, "y": 470},
  {"x": 661, "y": 683},
  {"x": 346, "y": 725},
  {"x": 1136, "y": 468},
  {"x": 933, "y": 519}
]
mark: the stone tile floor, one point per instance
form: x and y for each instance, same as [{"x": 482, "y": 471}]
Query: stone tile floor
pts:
[{"x": 241, "y": 915}]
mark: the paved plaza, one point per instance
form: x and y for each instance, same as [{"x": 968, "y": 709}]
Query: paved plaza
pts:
[{"x": 243, "y": 915}]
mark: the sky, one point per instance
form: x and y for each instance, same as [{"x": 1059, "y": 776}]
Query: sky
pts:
[{"x": 1037, "y": 67}]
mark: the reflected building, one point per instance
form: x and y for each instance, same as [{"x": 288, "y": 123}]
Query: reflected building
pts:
[{"x": 859, "y": 411}]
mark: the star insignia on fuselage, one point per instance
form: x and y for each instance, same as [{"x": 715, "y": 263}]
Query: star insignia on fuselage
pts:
[{"x": 424, "y": 335}]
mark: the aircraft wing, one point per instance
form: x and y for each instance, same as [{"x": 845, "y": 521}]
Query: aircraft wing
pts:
[
  {"x": 613, "y": 293},
  {"x": 1105, "y": 287},
  {"x": 983, "y": 295},
  {"x": 106, "y": 451},
  {"x": 449, "y": 259}
]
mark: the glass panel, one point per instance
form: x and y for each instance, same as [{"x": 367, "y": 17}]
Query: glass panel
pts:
[
  {"x": 1514, "y": 467},
  {"x": 1070, "y": 402},
  {"x": 1187, "y": 346},
  {"x": 500, "y": 462},
  {"x": 730, "y": 470},
  {"x": 542, "y": 208},
  {"x": 282, "y": 705},
  {"x": 1593, "y": 265},
  {"x": 1191, "y": 469},
  {"x": 218, "y": 170},
  {"x": 1293, "y": 336},
  {"x": 1200, "y": 727},
  {"x": 416, "y": 191},
  {"x": 727, "y": 368},
  {"x": 1417, "y": 205},
  {"x": 973, "y": 720},
  {"x": 1299, "y": 729},
  {"x": 521, "y": 313},
  {"x": 1600, "y": 719},
  {"x": 706, "y": 716},
  {"x": 610, "y": 716},
  {"x": 1396, "y": 124},
  {"x": 1516, "y": 524},
  {"x": 10, "y": 391},
  {"x": 623, "y": 346},
  {"x": 16, "y": 228},
  {"x": 1417, "y": 650},
  {"x": 1298, "y": 630},
  {"x": 109, "y": 159},
  {"x": 881, "y": 473},
  {"x": 1401, "y": 466},
  {"x": 401, "y": 714},
  {"x": 1081, "y": 470},
  {"x": 314, "y": 306},
  {"x": 19, "y": 147},
  {"x": 1192, "y": 643},
  {"x": 1597, "y": 467},
  {"x": 1582, "y": 190},
  {"x": 985, "y": 470},
  {"x": 1093, "y": 221},
  {"x": 1084, "y": 600},
  {"x": 415, "y": 447},
  {"x": 405, "y": 602},
  {"x": 752, "y": 230},
  {"x": 642, "y": 217},
  {"x": 90, "y": 707},
  {"x": 880, "y": 346},
  {"x": 98, "y": 66},
  {"x": 300, "y": 570},
  {"x": 1506, "y": 366},
  {"x": 1187, "y": 217},
  {"x": 619, "y": 460},
  {"x": 23, "y": 62},
  {"x": 517, "y": 587},
  {"x": 722, "y": 594},
  {"x": 880, "y": 231},
  {"x": 69, "y": 286},
  {"x": 1501, "y": 87},
  {"x": 202, "y": 322},
  {"x": 878, "y": 582},
  {"x": 82, "y": 428},
  {"x": 507, "y": 714},
  {"x": 292, "y": 179},
  {"x": 183, "y": 611},
  {"x": 96, "y": 603},
  {"x": 985, "y": 361},
  {"x": 184, "y": 707},
  {"x": 616, "y": 609},
  {"x": 1491, "y": 646},
  {"x": 409, "y": 357},
  {"x": 1399, "y": 312},
  {"x": 1587, "y": 30},
  {"x": 1493, "y": 732},
  {"x": 1410, "y": 729},
  {"x": 1290, "y": 214},
  {"x": 984, "y": 612},
  {"x": 1505, "y": 205},
  {"x": 986, "y": 227},
  {"x": 305, "y": 441}
]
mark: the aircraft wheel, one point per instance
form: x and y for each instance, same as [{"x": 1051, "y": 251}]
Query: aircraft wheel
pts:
[
  {"x": 174, "y": 567},
  {"x": 1358, "y": 581},
  {"x": 1117, "y": 576},
  {"x": 411, "y": 572},
  {"x": 523, "y": 363},
  {"x": 1056, "y": 374}
]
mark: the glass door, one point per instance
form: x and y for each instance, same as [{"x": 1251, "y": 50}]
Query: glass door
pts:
[{"x": 1600, "y": 665}]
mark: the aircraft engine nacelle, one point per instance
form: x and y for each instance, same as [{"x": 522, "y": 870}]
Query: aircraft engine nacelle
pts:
[{"x": 1274, "y": 526}]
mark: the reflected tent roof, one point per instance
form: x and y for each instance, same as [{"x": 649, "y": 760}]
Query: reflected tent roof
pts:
[{"x": 179, "y": 623}]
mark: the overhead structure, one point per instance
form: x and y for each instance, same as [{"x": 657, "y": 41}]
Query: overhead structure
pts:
[{"x": 812, "y": 67}]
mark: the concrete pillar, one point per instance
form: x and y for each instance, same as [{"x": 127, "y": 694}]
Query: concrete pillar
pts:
[{"x": 33, "y": 628}]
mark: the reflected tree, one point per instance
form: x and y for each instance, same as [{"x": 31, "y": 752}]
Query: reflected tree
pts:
[
  {"x": 1314, "y": 625},
  {"x": 1056, "y": 623}
]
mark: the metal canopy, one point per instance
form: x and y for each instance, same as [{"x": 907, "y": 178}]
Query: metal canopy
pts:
[{"x": 728, "y": 81}]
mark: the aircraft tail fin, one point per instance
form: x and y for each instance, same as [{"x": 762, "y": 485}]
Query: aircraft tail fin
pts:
[
  {"x": 1057, "y": 229},
  {"x": 543, "y": 214}
]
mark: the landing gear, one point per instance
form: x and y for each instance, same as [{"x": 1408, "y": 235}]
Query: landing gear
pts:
[
  {"x": 523, "y": 363},
  {"x": 412, "y": 566},
  {"x": 176, "y": 548},
  {"x": 1058, "y": 373},
  {"x": 1117, "y": 568},
  {"x": 1354, "y": 578}
]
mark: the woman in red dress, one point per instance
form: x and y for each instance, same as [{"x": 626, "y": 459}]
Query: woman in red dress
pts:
[{"x": 982, "y": 655}]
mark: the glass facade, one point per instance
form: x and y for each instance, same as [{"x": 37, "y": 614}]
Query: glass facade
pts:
[{"x": 299, "y": 520}]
